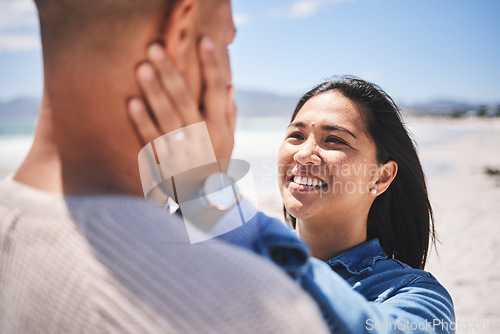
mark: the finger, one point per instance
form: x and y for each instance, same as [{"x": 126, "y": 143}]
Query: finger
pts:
[
  {"x": 142, "y": 121},
  {"x": 158, "y": 100},
  {"x": 175, "y": 86},
  {"x": 231, "y": 110},
  {"x": 227, "y": 67},
  {"x": 215, "y": 83}
]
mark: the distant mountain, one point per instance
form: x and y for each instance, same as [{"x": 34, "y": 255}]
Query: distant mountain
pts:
[
  {"x": 441, "y": 107},
  {"x": 264, "y": 104},
  {"x": 249, "y": 104},
  {"x": 19, "y": 111},
  {"x": 256, "y": 104}
]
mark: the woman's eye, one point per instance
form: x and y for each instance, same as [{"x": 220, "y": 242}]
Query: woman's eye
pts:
[
  {"x": 296, "y": 136},
  {"x": 335, "y": 140}
]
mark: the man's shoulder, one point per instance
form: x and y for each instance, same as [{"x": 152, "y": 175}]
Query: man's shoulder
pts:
[{"x": 121, "y": 250}]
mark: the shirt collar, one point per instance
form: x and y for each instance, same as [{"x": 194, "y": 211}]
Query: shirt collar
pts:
[{"x": 360, "y": 259}]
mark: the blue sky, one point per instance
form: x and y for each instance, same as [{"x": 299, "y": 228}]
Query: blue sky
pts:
[{"x": 418, "y": 50}]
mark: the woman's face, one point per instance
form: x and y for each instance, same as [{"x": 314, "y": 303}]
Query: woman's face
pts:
[{"x": 327, "y": 163}]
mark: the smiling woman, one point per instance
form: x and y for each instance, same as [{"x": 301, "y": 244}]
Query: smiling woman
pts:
[
  {"x": 348, "y": 172},
  {"x": 354, "y": 190}
]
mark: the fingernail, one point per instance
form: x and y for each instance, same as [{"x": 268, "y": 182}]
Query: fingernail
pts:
[
  {"x": 156, "y": 52},
  {"x": 146, "y": 72},
  {"x": 135, "y": 105},
  {"x": 207, "y": 44}
]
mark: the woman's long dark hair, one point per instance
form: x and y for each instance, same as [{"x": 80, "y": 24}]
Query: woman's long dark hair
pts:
[{"x": 402, "y": 216}]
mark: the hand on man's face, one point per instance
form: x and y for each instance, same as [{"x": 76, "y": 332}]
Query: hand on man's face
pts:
[
  {"x": 172, "y": 106},
  {"x": 184, "y": 136}
]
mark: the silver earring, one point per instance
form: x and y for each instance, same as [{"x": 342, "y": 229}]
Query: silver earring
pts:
[{"x": 373, "y": 191}]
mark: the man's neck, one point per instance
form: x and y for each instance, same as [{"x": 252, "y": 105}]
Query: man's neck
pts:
[{"x": 84, "y": 143}]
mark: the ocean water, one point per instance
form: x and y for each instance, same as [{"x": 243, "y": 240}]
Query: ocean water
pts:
[
  {"x": 13, "y": 149},
  {"x": 17, "y": 129}
]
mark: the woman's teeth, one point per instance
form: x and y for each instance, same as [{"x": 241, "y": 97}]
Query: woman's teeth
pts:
[{"x": 308, "y": 181}]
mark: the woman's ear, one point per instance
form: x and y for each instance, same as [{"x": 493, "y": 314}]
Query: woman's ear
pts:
[
  {"x": 182, "y": 32},
  {"x": 386, "y": 174}
]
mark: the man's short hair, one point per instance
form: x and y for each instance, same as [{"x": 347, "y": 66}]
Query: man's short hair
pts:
[{"x": 102, "y": 23}]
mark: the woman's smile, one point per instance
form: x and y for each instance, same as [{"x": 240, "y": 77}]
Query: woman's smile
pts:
[
  {"x": 309, "y": 182},
  {"x": 305, "y": 181}
]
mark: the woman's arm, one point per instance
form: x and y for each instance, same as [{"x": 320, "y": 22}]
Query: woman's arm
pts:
[
  {"x": 422, "y": 306},
  {"x": 180, "y": 133},
  {"x": 418, "y": 305}
]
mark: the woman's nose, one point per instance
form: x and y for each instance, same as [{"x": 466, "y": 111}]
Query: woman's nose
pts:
[{"x": 307, "y": 154}]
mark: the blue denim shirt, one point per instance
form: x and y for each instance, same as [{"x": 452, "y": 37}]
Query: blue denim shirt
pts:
[{"x": 360, "y": 290}]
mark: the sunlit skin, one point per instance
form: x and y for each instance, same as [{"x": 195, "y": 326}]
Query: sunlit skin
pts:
[
  {"x": 327, "y": 140},
  {"x": 219, "y": 25}
]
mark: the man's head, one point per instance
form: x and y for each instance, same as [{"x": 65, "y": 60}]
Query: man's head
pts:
[
  {"x": 103, "y": 34},
  {"x": 85, "y": 142}
]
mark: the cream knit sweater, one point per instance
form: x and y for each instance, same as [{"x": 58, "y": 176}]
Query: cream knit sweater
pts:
[{"x": 115, "y": 264}]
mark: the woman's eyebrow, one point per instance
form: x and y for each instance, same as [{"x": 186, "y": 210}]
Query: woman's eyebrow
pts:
[
  {"x": 337, "y": 128},
  {"x": 324, "y": 127}
]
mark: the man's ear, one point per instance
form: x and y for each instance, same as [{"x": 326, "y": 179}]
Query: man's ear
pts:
[
  {"x": 182, "y": 30},
  {"x": 386, "y": 175}
]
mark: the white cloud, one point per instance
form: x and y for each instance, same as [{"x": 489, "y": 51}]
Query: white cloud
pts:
[
  {"x": 17, "y": 14},
  {"x": 301, "y": 9},
  {"x": 241, "y": 19},
  {"x": 12, "y": 42},
  {"x": 304, "y": 8}
]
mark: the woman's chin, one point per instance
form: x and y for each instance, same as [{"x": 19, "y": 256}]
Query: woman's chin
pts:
[{"x": 298, "y": 209}]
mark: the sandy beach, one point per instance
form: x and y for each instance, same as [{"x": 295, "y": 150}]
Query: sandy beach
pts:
[{"x": 467, "y": 212}]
